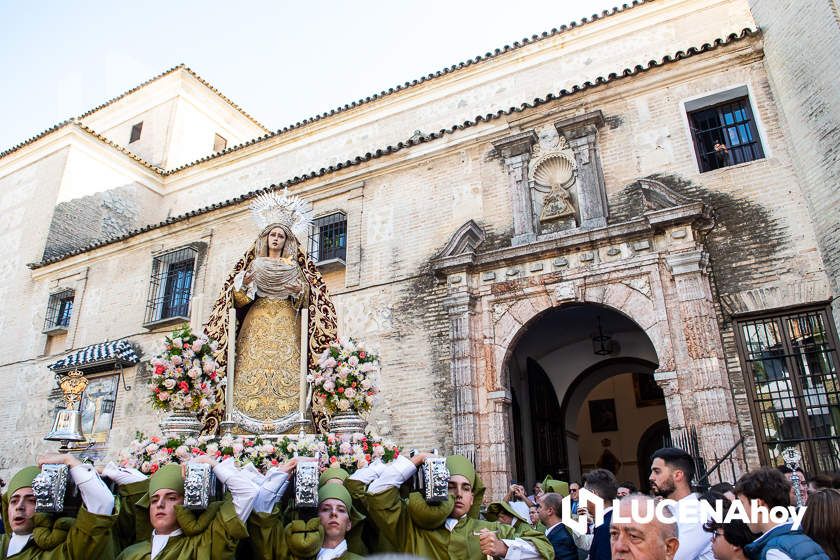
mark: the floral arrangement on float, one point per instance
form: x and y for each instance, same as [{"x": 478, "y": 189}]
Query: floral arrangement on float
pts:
[
  {"x": 185, "y": 375},
  {"x": 346, "y": 379},
  {"x": 350, "y": 451}
]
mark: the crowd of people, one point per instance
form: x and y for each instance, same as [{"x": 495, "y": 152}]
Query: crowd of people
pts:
[{"x": 375, "y": 513}]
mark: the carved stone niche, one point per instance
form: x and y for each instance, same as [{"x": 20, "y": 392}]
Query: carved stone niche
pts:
[
  {"x": 551, "y": 180},
  {"x": 581, "y": 134}
]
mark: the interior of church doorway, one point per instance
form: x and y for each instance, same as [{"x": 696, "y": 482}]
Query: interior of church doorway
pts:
[{"x": 581, "y": 378}]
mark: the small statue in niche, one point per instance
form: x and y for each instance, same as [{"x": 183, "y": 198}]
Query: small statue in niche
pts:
[{"x": 556, "y": 172}]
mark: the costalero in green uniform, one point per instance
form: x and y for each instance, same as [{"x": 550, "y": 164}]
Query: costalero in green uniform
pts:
[
  {"x": 420, "y": 528},
  {"x": 85, "y": 537},
  {"x": 298, "y": 540},
  {"x": 212, "y": 534}
]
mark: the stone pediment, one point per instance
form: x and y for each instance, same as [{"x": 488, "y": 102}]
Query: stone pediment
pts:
[
  {"x": 643, "y": 197},
  {"x": 656, "y": 196},
  {"x": 464, "y": 241}
]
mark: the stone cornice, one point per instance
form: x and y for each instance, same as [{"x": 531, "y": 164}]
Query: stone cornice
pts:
[{"x": 565, "y": 242}]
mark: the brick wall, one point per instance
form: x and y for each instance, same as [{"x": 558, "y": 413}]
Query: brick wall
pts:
[
  {"x": 801, "y": 41},
  {"x": 400, "y": 216}
]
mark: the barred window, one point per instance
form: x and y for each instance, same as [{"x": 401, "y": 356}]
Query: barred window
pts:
[
  {"x": 790, "y": 362},
  {"x": 170, "y": 286},
  {"x": 329, "y": 238},
  {"x": 725, "y": 134},
  {"x": 135, "y": 132},
  {"x": 59, "y": 310}
]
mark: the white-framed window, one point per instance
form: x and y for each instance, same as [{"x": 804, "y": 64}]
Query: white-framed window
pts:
[
  {"x": 724, "y": 129},
  {"x": 170, "y": 285}
]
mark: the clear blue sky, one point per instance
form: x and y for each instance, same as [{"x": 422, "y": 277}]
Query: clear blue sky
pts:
[{"x": 281, "y": 61}]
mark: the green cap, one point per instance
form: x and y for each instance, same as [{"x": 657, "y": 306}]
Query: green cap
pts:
[
  {"x": 331, "y": 473},
  {"x": 337, "y": 492},
  {"x": 556, "y": 486},
  {"x": 494, "y": 509},
  {"x": 22, "y": 479},
  {"x": 460, "y": 465},
  {"x": 168, "y": 477}
]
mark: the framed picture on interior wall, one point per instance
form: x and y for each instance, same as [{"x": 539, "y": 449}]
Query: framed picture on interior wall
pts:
[
  {"x": 602, "y": 417},
  {"x": 648, "y": 392}
]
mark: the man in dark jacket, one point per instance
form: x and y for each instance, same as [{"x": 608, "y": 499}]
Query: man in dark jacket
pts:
[
  {"x": 550, "y": 511},
  {"x": 768, "y": 488},
  {"x": 603, "y": 484}
]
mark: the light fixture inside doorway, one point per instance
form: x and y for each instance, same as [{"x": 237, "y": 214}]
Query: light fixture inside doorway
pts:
[{"x": 601, "y": 343}]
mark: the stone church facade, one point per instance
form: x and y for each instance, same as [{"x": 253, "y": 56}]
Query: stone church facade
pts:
[{"x": 607, "y": 203}]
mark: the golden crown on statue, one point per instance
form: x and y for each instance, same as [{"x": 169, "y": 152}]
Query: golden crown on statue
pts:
[{"x": 279, "y": 207}]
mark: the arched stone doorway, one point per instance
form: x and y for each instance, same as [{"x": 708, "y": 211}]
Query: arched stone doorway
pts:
[{"x": 581, "y": 401}]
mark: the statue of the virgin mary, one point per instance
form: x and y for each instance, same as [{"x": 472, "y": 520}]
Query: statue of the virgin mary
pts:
[{"x": 279, "y": 297}]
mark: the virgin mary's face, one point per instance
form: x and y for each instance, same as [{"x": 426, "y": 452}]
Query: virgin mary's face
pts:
[{"x": 276, "y": 239}]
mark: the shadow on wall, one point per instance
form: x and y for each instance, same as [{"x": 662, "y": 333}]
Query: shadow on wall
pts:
[{"x": 745, "y": 240}]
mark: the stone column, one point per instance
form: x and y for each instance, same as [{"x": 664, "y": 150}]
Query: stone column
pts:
[
  {"x": 669, "y": 383},
  {"x": 701, "y": 371},
  {"x": 516, "y": 153},
  {"x": 460, "y": 306},
  {"x": 581, "y": 133},
  {"x": 496, "y": 474}
]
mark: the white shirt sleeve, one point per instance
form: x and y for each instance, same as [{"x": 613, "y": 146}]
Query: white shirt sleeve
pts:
[
  {"x": 519, "y": 549},
  {"x": 776, "y": 554},
  {"x": 244, "y": 491},
  {"x": 251, "y": 471},
  {"x": 393, "y": 475},
  {"x": 582, "y": 541},
  {"x": 122, "y": 475},
  {"x": 368, "y": 474},
  {"x": 95, "y": 494},
  {"x": 271, "y": 491},
  {"x": 695, "y": 543}
]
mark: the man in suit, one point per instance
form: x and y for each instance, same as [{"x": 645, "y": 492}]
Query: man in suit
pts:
[
  {"x": 550, "y": 511},
  {"x": 603, "y": 484}
]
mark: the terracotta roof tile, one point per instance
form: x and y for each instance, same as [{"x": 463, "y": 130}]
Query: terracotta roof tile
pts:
[
  {"x": 124, "y": 94},
  {"x": 627, "y": 72},
  {"x": 181, "y": 66},
  {"x": 376, "y": 96},
  {"x": 423, "y": 79}
]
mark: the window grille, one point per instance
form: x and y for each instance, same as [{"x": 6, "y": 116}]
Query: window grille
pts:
[
  {"x": 135, "y": 132},
  {"x": 219, "y": 143},
  {"x": 725, "y": 134},
  {"x": 59, "y": 311},
  {"x": 791, "y": 368},
  {"x": 170, "y": 286},
  {"x": 329, "y": 238}
]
